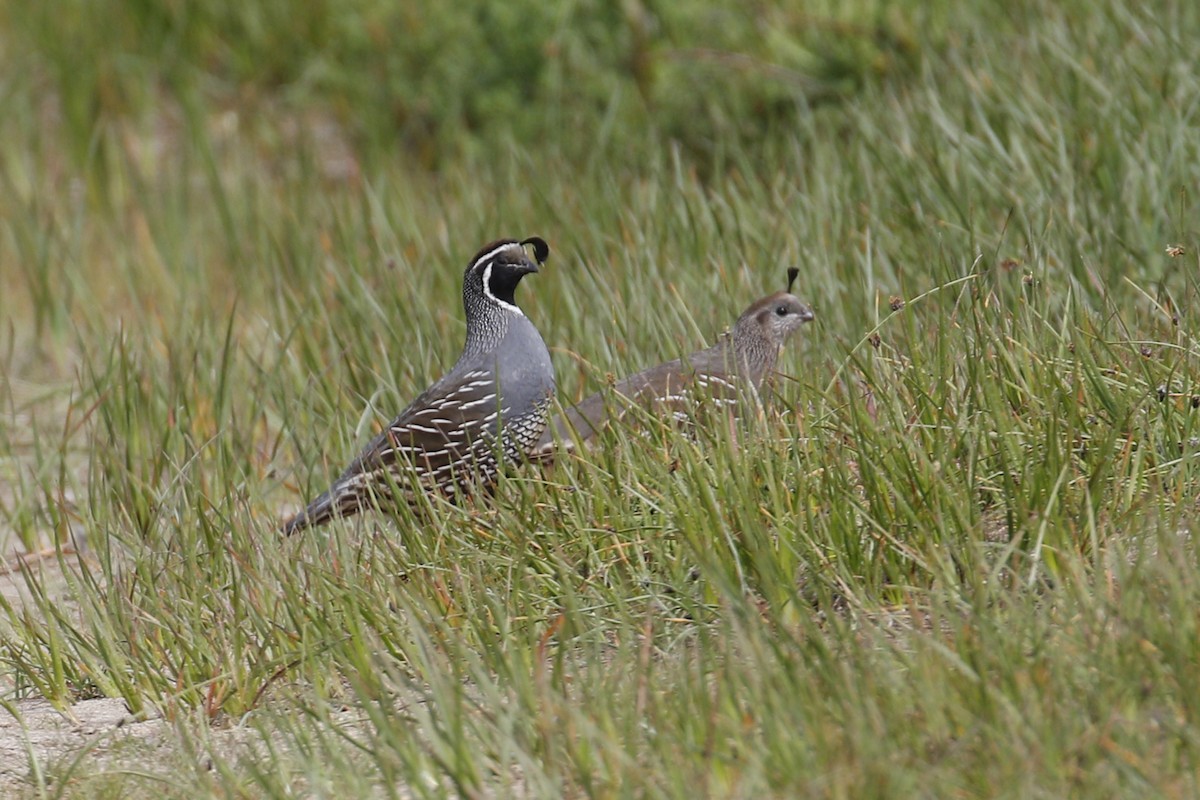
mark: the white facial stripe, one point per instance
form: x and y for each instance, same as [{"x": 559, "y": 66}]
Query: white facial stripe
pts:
[
  {"x": 495, "y": 251},
  {"x": 487, "y": 289}
]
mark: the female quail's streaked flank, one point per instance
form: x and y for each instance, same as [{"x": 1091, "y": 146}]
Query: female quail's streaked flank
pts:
[
  {"x": 740, "y": 361},
  {"x": 446, "y": 440}
]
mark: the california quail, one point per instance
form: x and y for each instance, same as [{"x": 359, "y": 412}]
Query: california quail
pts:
[
  {"x": 741, "y": 360},
  {"x": 446, "y": 439}
]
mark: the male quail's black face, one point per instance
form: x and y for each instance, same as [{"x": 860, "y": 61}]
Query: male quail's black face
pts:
[{"x": 499, "y": 267}]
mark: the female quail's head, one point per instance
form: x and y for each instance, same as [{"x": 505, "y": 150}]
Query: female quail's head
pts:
[{"x": 763, "y": 328}]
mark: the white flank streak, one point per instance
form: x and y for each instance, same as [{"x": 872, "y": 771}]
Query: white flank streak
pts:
[
  {"x": 422, "y": 428},
  {"x": 712, "y": 380},
  {"x": 484, "y": 402},
  {"x": 487, "y": 290}
]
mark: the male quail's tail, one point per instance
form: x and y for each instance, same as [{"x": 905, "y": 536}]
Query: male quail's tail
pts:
[
  {"x": 453, "y": 437},
  {"x": 742, "y": 360}
]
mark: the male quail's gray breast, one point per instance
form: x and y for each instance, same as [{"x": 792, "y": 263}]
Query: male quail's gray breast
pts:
[{"x": 526, "y": 379}]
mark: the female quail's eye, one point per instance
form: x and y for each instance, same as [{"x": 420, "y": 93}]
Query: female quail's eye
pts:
[{"x": 781, "y": 311}]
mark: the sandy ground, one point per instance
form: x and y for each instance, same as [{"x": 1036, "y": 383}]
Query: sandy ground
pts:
[
  {"x": 98, "y": 739},
  {"x": 34, "y": 736}
]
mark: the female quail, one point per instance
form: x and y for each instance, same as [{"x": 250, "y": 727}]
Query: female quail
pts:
[{"x": 740, "y": 361}]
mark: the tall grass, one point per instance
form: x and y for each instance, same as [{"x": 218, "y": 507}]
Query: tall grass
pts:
[{"x": 953, "y": 556}]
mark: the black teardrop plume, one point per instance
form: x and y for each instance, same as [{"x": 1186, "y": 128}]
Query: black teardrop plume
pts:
[{"x": 541, "y": 250}]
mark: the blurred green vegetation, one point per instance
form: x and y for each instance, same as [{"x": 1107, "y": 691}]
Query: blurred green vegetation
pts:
[{"x": 431, "y": 79}]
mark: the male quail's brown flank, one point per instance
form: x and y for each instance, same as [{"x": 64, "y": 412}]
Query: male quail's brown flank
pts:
[
  {"x": 446, "y": 440},
  {"x": 740, "y": 360}
]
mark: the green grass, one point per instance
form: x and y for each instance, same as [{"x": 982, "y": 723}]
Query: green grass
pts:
[{"x": 954, "y": 558}]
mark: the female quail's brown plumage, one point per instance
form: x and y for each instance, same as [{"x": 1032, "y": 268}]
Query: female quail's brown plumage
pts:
[
  {"x": 741, "y": 360},
  {"x": 446, "y": 439}
]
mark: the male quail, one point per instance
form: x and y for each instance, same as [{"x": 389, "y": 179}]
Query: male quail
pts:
[
  {"x": 446, "y": 440},
  {"x": 739, "y": 361}
]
